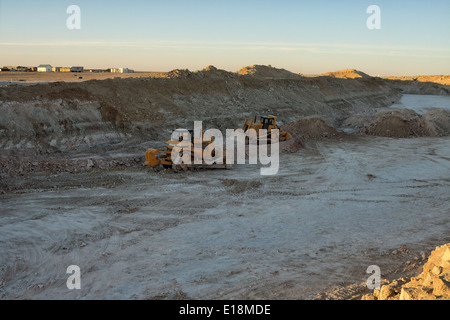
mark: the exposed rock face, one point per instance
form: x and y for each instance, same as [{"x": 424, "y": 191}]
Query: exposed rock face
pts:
[
  {"x": 62, "y": 116},
  {"x": 432, "y": 284},
  {"x": 55, "y": 125}
]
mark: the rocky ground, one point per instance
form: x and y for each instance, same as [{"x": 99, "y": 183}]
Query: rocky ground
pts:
[{"x": 432, "y": 284}]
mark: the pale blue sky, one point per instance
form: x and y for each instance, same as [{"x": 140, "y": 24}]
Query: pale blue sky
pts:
[{"x": 301, "y": 36}]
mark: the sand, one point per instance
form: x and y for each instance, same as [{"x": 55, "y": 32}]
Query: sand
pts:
[{"x": 45, "y": 77}]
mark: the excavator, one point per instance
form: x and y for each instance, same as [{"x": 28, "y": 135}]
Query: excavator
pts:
[
  {"x": 163, "y": 157},
  {"x": 268, "y": 122}
]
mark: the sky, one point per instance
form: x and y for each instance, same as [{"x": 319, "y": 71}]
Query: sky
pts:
[{"x": 309, "y": 37}]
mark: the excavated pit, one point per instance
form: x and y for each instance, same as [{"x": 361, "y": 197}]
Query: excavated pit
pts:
[{"x": 350, "y": 191}]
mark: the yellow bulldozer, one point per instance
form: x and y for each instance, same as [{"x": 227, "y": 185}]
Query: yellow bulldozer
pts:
[
  {"x": 163, "y": 157},
  {"x": 266, "y": 122}
]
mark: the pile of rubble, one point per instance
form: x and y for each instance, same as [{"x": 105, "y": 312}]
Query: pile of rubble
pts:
[
  {"x": 313, "y": 127},
  {"x": 432, "y": 284}
]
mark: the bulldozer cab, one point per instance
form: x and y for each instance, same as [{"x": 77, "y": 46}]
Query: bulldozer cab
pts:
[{"x": 267, "y": 121}]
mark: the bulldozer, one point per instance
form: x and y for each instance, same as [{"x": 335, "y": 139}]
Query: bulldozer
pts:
[
  {"x": 156, "y": 158},
  {"x": 163, "y": 157},
  {"x": 268, "y": 122}
]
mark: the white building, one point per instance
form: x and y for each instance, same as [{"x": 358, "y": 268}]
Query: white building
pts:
[
  {"x": 120, "y": 70},
  {"x": 125, "y": 70},
  {"x": 44, "y": 68}
]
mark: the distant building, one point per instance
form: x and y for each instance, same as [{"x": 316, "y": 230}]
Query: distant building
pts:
[
  {"x": 120, "y": 70},
  {"x": 64, "y": 69},
  {"x": 44, "y": 68},
  {"x": 77, "y": 69}
]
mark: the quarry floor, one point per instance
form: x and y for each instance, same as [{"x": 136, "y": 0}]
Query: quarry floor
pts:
[{"x": 309, "y": 232}]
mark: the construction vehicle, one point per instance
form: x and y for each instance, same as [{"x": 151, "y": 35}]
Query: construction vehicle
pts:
[
  {"x": 163, "y": 157},
  {"x": 266, "y": 122}
]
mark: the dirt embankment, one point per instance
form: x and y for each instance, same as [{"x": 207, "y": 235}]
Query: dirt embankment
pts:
[
  {"x": 401, "y": 123},
  {"x": 60, "y": 116},
  {"x": 441, "y": 79},
  {"x": 432, "y": 284},
  {"x": 434, "y": 85},
  {"x": 419, "y": 87}
]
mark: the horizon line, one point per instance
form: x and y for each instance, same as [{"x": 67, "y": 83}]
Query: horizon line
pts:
[{"x": 198, "y": 70}]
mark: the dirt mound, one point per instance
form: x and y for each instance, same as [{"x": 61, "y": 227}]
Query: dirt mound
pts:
[
  {"x": 397, "y": 124},
  {"x": 438, "y": 122},
  {"x": 347, "y": 74},
  {"x": 179, "y": 74},
  {"x": 213, "y": 72},
  {"x": 292, "y": 145},
  {"x": 208, "y": 72},
  {"x": 268, "y": 72},
  {"x": 402, "y": 123},
  {"x": 310, "y": 128},
  {"x": 432, "y": 284}
]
